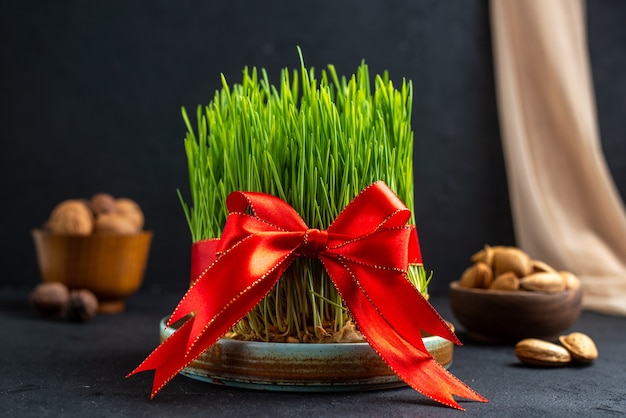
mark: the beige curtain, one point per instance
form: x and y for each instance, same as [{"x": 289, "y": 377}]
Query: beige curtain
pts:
[{"x": 566, "y": 209}]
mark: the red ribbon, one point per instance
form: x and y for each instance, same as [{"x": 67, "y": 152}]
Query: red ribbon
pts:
[{"x": 366, "y": 252}]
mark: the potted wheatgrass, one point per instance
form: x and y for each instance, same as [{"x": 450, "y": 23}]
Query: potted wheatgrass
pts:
[
  {"x": 315, "y": 144},
  {"x": 306, "y": 270}
]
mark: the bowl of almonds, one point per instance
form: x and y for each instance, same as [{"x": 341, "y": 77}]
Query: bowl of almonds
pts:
[
  {"x": 98, "y": 244},
  {"x": 506, "y": 296}
]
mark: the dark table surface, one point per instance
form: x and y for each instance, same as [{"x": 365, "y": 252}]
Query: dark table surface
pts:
[{"x": 55, "y": 368}]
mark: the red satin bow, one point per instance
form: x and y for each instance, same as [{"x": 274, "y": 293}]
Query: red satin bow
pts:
[{"x": 366, "y": 252}]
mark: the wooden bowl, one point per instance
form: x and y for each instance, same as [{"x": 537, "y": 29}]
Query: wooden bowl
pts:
[
  {"x": 505, "y": 317},
  {"x": 112, "y": 266}
]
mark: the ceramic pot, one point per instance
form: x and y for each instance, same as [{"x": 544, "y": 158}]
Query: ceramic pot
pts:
[
  {"x": 304, "y": 367},
  {"x": 112, "y": 266}
]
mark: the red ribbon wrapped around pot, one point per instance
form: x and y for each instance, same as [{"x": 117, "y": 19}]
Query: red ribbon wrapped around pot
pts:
[{"x": 366, "y": 252}]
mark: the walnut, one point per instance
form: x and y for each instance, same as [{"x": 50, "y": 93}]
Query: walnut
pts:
[
  {"x": 72, "y": 217},
  {"x": 129, "y": 209},
  {"x": 50, "y": 299},
  {"x": 102, "y": 203},
  {"x": 115, "y": 223},
  {"x": 83, "y": 305}
]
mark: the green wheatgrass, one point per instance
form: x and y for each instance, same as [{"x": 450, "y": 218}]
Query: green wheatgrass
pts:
[{"x": 313, "y": 142}]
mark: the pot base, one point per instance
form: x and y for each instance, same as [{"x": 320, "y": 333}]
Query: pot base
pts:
[
  {"x": 300, "y": 367},
  {"x": 111, "y": 307}
]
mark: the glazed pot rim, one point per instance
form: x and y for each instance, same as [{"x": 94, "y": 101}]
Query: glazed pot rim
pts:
[{"x": 168, "y": 331}]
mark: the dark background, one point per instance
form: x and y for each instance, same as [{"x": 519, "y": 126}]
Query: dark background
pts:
[{"x": 90, "y": 96}]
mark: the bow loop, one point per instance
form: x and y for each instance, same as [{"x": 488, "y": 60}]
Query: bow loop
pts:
[
  {"x": 368, "y": 251},
  {"x": 375, "y": 207},
  {"x": 266, "y": 207}
]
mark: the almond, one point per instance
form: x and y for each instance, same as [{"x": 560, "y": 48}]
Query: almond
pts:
[
  {"x": 505, "y": 281},
  {"x": 511, "y": 259},
  {"x": 543, "y": 282},
  {"x": 485, "y": 255},
  {"x": 541, "y": 353},
  {"x": 570, "y": 280},
  {"x": 477, "y": 276},
  {"x": 542, "y": 267},
  {"x": 580, "y": 346}
]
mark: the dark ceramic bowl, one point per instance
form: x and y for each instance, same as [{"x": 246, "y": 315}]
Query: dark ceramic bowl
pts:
[{"x": 505, "y": 317}]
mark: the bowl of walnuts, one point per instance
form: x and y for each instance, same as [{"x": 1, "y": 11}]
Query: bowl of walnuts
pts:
[
  {"x": 97, "y": 244},
  {"x": 506, "y": 296}
]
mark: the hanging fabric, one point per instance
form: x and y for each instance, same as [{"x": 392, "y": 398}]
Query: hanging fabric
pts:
[{"x": 566, "y": 208}]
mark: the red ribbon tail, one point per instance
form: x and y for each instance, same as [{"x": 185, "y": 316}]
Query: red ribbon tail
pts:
[
  {"x": 411, "y": 362},
  {"x": 407, "y": 309},
  {"x": 173, "y": 355},
  {"x": 421, "y": 371},
  {"x": 222, "y": 295},
  {"x": 169, "y": 358},
  {"x": 418, "y": 369}
]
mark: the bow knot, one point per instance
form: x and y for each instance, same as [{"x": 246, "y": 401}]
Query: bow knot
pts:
[{"x": 314, "y": 242}]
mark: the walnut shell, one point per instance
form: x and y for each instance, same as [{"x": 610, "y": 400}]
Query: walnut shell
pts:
[
  {"x": 83, "y": 305},
  {"x": 50, "y": 299},
  {"x": 115, "y": 223},
  {"x": 128, "y": 208},
  {"x": 348, "y": 334},
  {"x": 102, "y": 203},
  {"x": 72, "y": 217}
]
